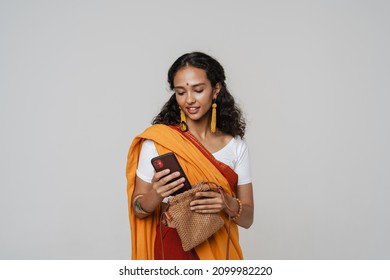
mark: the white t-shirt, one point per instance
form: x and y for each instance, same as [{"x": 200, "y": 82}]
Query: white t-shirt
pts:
[{"x": 235, "y": 154}]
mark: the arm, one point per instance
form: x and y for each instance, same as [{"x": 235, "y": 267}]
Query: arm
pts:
[
  {"x": 213, "y": 202},
  {"x": 148, "y": 196},
  {"x": 245, "y": 194},
  {"x": 152, "y": 188}
]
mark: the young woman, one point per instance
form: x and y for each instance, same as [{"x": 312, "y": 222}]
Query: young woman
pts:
[{"x": 203, "y": 126}]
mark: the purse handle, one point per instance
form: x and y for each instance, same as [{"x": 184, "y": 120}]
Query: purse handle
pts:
[{"x": 222, "y": 192}]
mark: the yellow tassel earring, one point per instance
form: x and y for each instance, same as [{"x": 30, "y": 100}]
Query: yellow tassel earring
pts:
[
  {"x": 214, "y": 116},
  {"x": 183, "y": 124}
]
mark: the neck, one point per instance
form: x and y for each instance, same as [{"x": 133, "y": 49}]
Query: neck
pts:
[{"x": 200, "y": 129}]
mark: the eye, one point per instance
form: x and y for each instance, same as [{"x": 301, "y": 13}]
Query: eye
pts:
[
  {"x": 199, "y": 90},
  {"x": 180, "y": 92}
]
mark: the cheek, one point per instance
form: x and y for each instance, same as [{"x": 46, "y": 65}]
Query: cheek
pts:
[
  {"x": 206, "y": 99},
  {"x": 179, "y": 99}
]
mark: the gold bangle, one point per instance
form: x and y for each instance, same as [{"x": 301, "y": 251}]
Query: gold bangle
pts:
[
  {"x": 137, "y": 206},
  {"x": 238, "y": 214}
]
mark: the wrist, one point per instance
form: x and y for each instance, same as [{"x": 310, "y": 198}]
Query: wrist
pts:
[
  {"x": 234, "y": 207},
  {"x": 138, "y": 207},
  {"x": 237, "y": 215}
]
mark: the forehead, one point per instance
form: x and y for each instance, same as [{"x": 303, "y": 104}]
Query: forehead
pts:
[{"x": 189, "y": 75}]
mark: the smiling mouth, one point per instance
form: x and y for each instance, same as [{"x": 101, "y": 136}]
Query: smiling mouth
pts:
[{"x": 192, "y": 110}]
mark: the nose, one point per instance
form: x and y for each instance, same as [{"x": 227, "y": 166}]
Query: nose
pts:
[{"x": 190, "y": 98}]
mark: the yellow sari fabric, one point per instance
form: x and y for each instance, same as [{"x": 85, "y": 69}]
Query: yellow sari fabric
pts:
[{"x": 197, "y": 168}]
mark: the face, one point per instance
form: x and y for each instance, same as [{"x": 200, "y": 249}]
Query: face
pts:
[{"x": 194, "y": 92}]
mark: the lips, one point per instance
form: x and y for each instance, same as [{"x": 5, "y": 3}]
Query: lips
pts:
[{"x": 192, "y": 110}]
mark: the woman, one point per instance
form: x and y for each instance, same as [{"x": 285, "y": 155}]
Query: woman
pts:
[{"x": 203, "y": 126}]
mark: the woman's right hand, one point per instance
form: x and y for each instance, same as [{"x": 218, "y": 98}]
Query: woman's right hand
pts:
[
  {"x": 161, "y": 183},
  {"x": 148, "y": 196}
]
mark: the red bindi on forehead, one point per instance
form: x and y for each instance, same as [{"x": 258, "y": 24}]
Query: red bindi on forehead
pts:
[{"x": 187, "y": 84}]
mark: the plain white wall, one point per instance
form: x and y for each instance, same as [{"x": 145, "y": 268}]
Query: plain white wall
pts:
[{"x": 79, "y": 79}]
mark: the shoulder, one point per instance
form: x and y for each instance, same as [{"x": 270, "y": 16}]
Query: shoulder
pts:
[
  {"x": 148, "y": 144},
  {"x": 240, "y": 143},
  {"x": 240, "y": 147},
  {"x": 227, "y": 138},
  {"x": 156, "y": 129},
  {"x": 237, "y": 145},
  {"x": 223, "y": 137}
]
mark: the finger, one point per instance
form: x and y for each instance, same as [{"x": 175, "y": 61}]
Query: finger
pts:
[
  {"x": 169, "y": 178},
  {"x": 207, "y": 211},
  {"x": 205, "y": 201},
  {"x": 158, "y": 175},
  {"x": 209, "y": 208},
  {"x": 208, "y": 198},
  {"x": 172, "y": 190},
  {"x": 207, "y": 194},
  {"x": 167, "y": 190}
]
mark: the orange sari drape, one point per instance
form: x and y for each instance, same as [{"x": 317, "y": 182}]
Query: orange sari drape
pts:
[{"x": 198, "y": 166}]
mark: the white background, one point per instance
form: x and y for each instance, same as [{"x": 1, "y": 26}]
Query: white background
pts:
[{"x": 79, "y": 79}]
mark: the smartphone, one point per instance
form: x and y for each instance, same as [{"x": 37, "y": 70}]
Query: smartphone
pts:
[{"x": 169, "y": 161}]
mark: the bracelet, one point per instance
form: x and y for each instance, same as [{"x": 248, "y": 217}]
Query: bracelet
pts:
[
  {"x": 137, "y": 206},
  {"x": 239, "y": 212}
]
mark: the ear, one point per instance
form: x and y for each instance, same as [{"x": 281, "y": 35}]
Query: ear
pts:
[{"x": 216, "y": 90}]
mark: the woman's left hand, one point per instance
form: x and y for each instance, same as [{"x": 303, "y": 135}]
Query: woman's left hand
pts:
[{"x": 207, "y": 202}]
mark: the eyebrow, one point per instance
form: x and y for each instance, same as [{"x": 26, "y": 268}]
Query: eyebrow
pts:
[{"x": 196, "y": 85}]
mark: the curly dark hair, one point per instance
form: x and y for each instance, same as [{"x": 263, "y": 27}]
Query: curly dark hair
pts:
[{"x": 229, "y": 116}]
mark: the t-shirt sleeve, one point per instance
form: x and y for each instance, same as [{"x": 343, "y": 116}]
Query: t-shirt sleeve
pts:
[
  {"x": 243, "y": 166},
  {"x": 145, "y": 169}
]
